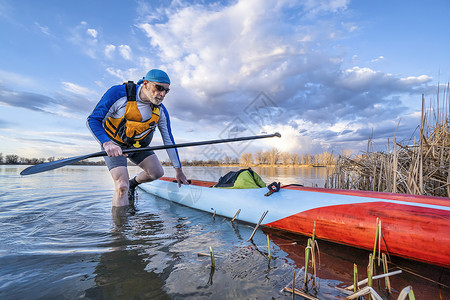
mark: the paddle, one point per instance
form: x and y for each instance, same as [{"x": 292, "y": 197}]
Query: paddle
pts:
[{"x": 71, "y": 160}]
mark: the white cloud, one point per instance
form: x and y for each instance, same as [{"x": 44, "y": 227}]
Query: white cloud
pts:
[
  {"x": 51, "y": 143},
  {"x": 125, "y": 51},
  {"x": 146, "y": 63},
  {"x": 221, "y": 57},
  {"x": 412, "y": 80},
  {"x": 8, "y": 13},
  {"x": 92, "y": 32},
  {"x": 379, "y": 58},
  {"x": 16, "y": 79},
  {"x": 224, "y": 49},
  {"x": 86, "y": 39},
  {"x": 77, "y": 89},
  {"x": 44, "y": 29},
  {"x": 351, "y": 27},
  {"x": 109, "y": 51},
  {"x": 291, "y": 140},
  {"x": 315, "y": 7},
  {"x": 124, "y": 75},
  {"x": 358, "y": 78},
  {"x": 100, "y": 84}
]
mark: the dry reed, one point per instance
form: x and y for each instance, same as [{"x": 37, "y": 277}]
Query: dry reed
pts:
[
  {"x": 386, "y": 270},
  {"x": 420, "y": 167}
]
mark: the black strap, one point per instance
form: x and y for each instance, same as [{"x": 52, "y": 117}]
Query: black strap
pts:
[
  {"x": 131, "y": 91},
  {"x": 274, "y": 187},
  {"x": 189, "y": 181}
]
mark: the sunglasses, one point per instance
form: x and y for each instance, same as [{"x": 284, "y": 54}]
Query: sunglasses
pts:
[{"x": 160, "y": 87}]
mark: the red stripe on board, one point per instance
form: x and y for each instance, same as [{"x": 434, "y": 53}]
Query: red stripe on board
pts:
[
  {"x": 418, "y": 233},
  {"x": 193, "y": 182},
  {"x": 442, "y": 201}
]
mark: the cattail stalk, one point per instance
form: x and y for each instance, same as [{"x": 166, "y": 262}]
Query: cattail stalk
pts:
[{"x": 213, "y": 263}]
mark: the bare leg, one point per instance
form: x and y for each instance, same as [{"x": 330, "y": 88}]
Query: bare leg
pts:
[
  {"x": 120, "y": 177},
  {"x": 152, "y": 169}
]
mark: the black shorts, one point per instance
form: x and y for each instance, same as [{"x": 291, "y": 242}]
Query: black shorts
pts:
[{"x": 121, "y": 161}]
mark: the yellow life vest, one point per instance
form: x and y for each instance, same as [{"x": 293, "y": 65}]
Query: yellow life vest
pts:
[{"x": 130, "y": 130}]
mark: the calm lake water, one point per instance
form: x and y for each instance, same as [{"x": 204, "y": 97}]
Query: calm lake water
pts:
[{"x": 59, "y": 239}]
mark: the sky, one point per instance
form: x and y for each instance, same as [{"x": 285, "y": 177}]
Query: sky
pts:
[{"x": 327, "y": 75}]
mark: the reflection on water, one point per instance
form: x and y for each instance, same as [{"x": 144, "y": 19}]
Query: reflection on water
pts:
[
  {"x": 61, "y": 240},
  {"x": 121, "y": 272}
]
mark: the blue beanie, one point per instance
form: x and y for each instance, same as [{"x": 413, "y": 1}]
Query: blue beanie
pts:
[{"x": 156, "y": 75}]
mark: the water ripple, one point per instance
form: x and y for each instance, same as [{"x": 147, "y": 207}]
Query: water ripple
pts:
[{"x": 61, "y": 240}]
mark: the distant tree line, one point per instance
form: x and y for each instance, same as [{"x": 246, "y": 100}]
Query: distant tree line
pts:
[
  {"x": 270, "y": 157},
  {"x": 13, "y": 159},
  {"x": 275, "y": 157}
]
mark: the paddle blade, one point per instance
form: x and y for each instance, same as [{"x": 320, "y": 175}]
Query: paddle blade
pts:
[{"x": 53, "y": 165}]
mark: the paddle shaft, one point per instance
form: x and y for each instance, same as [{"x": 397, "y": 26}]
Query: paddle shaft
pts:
[
  {"x": 192, "y": 144},
  {"x": 68, "y": 161}
]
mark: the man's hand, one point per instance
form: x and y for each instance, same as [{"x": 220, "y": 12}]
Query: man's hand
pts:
[
  {"x": 112, "y": 149},
  {"x": 181, "y": 178}
]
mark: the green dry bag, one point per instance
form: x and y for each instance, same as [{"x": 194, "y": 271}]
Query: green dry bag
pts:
[{"x": 242, "y": 179}]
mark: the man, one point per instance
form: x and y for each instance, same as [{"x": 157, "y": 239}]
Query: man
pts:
[{"x": 126, "y": 117}]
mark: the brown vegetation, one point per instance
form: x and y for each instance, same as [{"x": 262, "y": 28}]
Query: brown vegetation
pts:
[
  {"x": 274, "y": 157},
  {"x": 419, "y": 167},
  {"x": 271, "y": 157}
]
